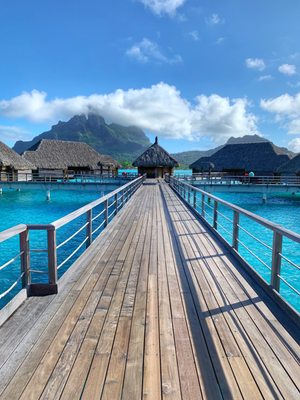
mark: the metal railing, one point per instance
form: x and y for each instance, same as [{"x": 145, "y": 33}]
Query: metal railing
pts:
[
  {"x": 18, "y": 177},
  {"x": 110, "y": 205},
  {"x": 207, "y": 206},
  {"x": 221, "y": 178}
]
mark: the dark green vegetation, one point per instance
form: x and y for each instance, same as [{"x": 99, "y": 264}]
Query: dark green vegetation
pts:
[{"x": 120, "y": 142}]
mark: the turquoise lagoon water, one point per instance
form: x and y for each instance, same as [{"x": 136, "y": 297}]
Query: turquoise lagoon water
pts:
[
  {"x": 283, "y": 209},
  {"x": 31, "y": 207}
]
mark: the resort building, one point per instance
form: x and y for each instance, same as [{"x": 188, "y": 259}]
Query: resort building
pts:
[
  {"x": 155, "y": 162},
  {"x": 292, "y": 167},
  {"x": 65, "y": 158},
  {"x": 12, "y": 166},
  {"x": 238, "y": 159}
]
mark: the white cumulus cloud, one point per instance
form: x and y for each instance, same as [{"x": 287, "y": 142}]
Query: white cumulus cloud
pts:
[
  {"x": 255, "y": 63},
  {"x": 286, "y": 108},
  {"x": 146, "y": 50},
  {"x": 160, "y": 108},
  {"x": 287, "y": 69},
  {"x": 265, "y": 78},
  {"x": 294, "y": 145},
  {"x": 160, "y": 7}
]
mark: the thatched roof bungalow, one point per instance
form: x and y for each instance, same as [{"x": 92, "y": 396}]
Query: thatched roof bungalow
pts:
[
  {"x": 63, "y": 157},
  {"x": 237, "y": 159},
  {"x": 292, "y": 167},
  {"x": 155, "y": 162},
  {"x": 12, "y": 165}
]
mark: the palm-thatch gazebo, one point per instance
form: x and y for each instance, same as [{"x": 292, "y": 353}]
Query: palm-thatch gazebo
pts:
[
  {"x": 61, "y": 158},
  {"x": 155, "y": 162},
  {"x": 12, "y": 166},
  {"x": 236, "y": 159},
  {"x": 292, "y": 167}
]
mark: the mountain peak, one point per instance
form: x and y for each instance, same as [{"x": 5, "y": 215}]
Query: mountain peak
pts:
[{"x": 120, "y": 142}]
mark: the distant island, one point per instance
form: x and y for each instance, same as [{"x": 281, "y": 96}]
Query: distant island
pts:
[{"x": 123, "y": 143}]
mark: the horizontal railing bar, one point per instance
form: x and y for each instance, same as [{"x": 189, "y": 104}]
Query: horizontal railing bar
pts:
[
  {"x": 73, "y": 253},
  {"x": 11, "y": 232},
  {"x": 11, "y": 260},
  {"x": 12, "y": 286},
  {"x": 98, "y": 215},
  {"x": 112, "y": 213},
  {"x": 258, "y": 258},
  {"x": 254, "y": 237},
  {"x": 288, "y": 284},
  {"x": 224, "y": 229},
  {"x": 72, "y": 236},
  {"x": 114, "y": 202},
  {"x": 38, "y": 250},
  {"x": 100, "y": 226},
  {"x": 224, "y": 216},
  {"x": 274, "y": 227},
  {"x": 36, "y": 271},
  {"x": 289, "y": 261},
  {"x": 75, "y": 214}
]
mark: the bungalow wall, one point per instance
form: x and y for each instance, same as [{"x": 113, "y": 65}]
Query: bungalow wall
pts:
[{"x": 155, "y": 172}]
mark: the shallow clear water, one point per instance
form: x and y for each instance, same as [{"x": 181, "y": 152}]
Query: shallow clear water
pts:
[
  {"x": 31, "y": 207},
  {"x": 282, "y": 209}
]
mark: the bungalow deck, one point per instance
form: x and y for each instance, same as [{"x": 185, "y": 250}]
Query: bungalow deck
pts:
[{"x": 156, "y": 308}]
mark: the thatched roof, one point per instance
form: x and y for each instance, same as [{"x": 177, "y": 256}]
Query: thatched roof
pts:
[
  {"x": 291, "y": 167},
  {"x": 61, "y": 154},
  {"x": 9, "y": 158},
  {"x": 155, "y": 156},
  {"x": 256, "y": 157}
]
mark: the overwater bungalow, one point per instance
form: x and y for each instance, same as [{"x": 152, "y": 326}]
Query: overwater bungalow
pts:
[
  {"x": 238, "y": 159},
  {"x": 66, "y": 158},
  {"x": 155, "y": 162},
  {"x": 12, "y": 166},
  {"x": 292, "y": 167}
]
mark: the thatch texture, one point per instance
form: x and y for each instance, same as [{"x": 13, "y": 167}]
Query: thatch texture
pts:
[
  {"x": 256, "y": 157},
  {"x": 10, "y": 159},
  {"x": 291, "y": 167},
  {"x": 155, "y": 156},
  {"x": 60, "y": 154}
]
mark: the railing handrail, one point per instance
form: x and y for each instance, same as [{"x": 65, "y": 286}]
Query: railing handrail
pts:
[
  {"x": 257, "y": 218},
  {"x": 11, "y": 232},
  {"x": 80, "y": 211}
]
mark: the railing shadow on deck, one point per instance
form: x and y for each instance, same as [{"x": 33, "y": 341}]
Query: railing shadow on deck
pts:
[{"x": 185, "y": 276}]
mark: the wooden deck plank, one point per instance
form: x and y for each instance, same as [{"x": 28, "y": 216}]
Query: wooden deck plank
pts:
[{"x": 157, "y": 309}]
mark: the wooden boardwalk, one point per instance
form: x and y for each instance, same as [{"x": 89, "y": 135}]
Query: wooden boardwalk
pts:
[{"x": 156, "y": 308}]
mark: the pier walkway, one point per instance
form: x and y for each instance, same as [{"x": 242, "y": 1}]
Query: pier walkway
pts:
[{"x": 156, "y": 308}]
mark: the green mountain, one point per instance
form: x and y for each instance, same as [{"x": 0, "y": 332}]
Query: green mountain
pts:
[{"x": 120, "y": 142}]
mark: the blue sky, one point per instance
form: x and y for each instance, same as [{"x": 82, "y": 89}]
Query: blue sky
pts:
[{"x": 192, "y": 72}]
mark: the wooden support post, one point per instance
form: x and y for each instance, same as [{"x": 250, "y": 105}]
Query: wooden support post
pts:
[
  {"x": 276, "y": 260},
  {"x": 203, "y": 205},
  {"x": 52, "y": 257},
  {"x": 116, "y": 203},
  {"x": 235, "y": 230},
  {"x": 25, "y": 260},
  {"x": 89, "y": 228},
  {"x": 106, "y": 212},
  {"x": 215, "y": 220}
]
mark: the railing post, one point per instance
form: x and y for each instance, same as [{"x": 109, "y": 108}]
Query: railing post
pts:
[
  {"x": 203, "y": 206},
  {"x": 116, "y": 203},
  {"x": 106, "y": 212},
  {"x": 215, "y": 220},
  {"x": 52, "y": 257},
  {"x": 276, "y": 260},
  {"x": 89, "y": 227},
  {"x": 235, "y": 230},
  {"x": 25, "y": 260},
  {"x": 189, "y": 195},
  {"x": 195, "y": 199},
  {"x": 122, "y": 198}
]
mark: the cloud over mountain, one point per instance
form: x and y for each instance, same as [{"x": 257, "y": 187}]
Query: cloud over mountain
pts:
[{"x": 160, "y": 108}]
